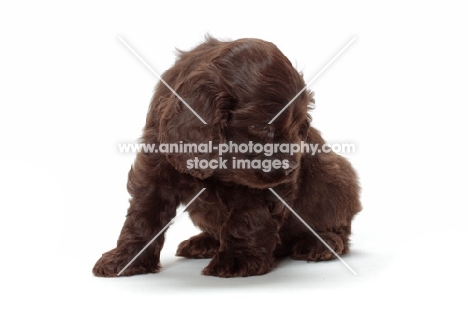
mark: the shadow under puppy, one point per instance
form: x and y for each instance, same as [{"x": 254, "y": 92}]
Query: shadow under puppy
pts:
[{"x": 237, "y": 87}]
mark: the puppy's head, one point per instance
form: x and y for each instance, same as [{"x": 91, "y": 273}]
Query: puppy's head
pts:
[{"x": 237, "y": 88}]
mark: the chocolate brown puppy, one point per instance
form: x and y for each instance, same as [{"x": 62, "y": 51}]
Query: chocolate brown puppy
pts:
[{"x": 237, "y": 88}]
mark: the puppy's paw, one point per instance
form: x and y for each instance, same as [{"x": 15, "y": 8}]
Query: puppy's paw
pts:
[
  {"x": 311, "y": 249},
  {"x": 112, "y": 262},
  {"x": 233, "y": 264},
  {"x": 199, "y": 246}
]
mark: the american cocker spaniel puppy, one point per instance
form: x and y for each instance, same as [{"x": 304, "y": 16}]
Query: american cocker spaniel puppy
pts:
[{"x": 237, "y": 88}]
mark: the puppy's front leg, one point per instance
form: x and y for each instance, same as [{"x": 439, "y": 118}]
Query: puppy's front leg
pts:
[
  {"x": 247, "y": 241},
  {"x": 152, "y": 206}
]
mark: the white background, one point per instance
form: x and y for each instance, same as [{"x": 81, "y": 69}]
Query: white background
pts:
[{"x": 71, "y": 91}]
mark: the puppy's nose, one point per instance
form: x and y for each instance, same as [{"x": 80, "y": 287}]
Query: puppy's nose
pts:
[{"x": 292, "y": 166}]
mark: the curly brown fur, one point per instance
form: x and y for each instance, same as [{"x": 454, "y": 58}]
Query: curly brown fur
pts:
[{"x": 236, "y": 87}]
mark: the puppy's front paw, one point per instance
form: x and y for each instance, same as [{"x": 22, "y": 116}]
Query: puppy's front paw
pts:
[
  {"x": 233, "y": 264},
  {"x": 112, "y": 262}
]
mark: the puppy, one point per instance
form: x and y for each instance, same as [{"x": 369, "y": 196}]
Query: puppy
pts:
[{"x": 237, "y": 88}]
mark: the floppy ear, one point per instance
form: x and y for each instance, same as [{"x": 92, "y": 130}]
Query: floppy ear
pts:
[
  {"x": 205, "y": 92},
  {"x": 304, "y": 127}
]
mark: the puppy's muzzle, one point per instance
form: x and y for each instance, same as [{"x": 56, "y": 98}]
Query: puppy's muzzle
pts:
[{"x": 292, "y": 166}]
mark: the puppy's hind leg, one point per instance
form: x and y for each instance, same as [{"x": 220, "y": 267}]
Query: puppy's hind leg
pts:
[
  {"x": 328, "y": 202},
  {"x": 311, "y": 248},
  {"x": 199, "y": 246}
]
